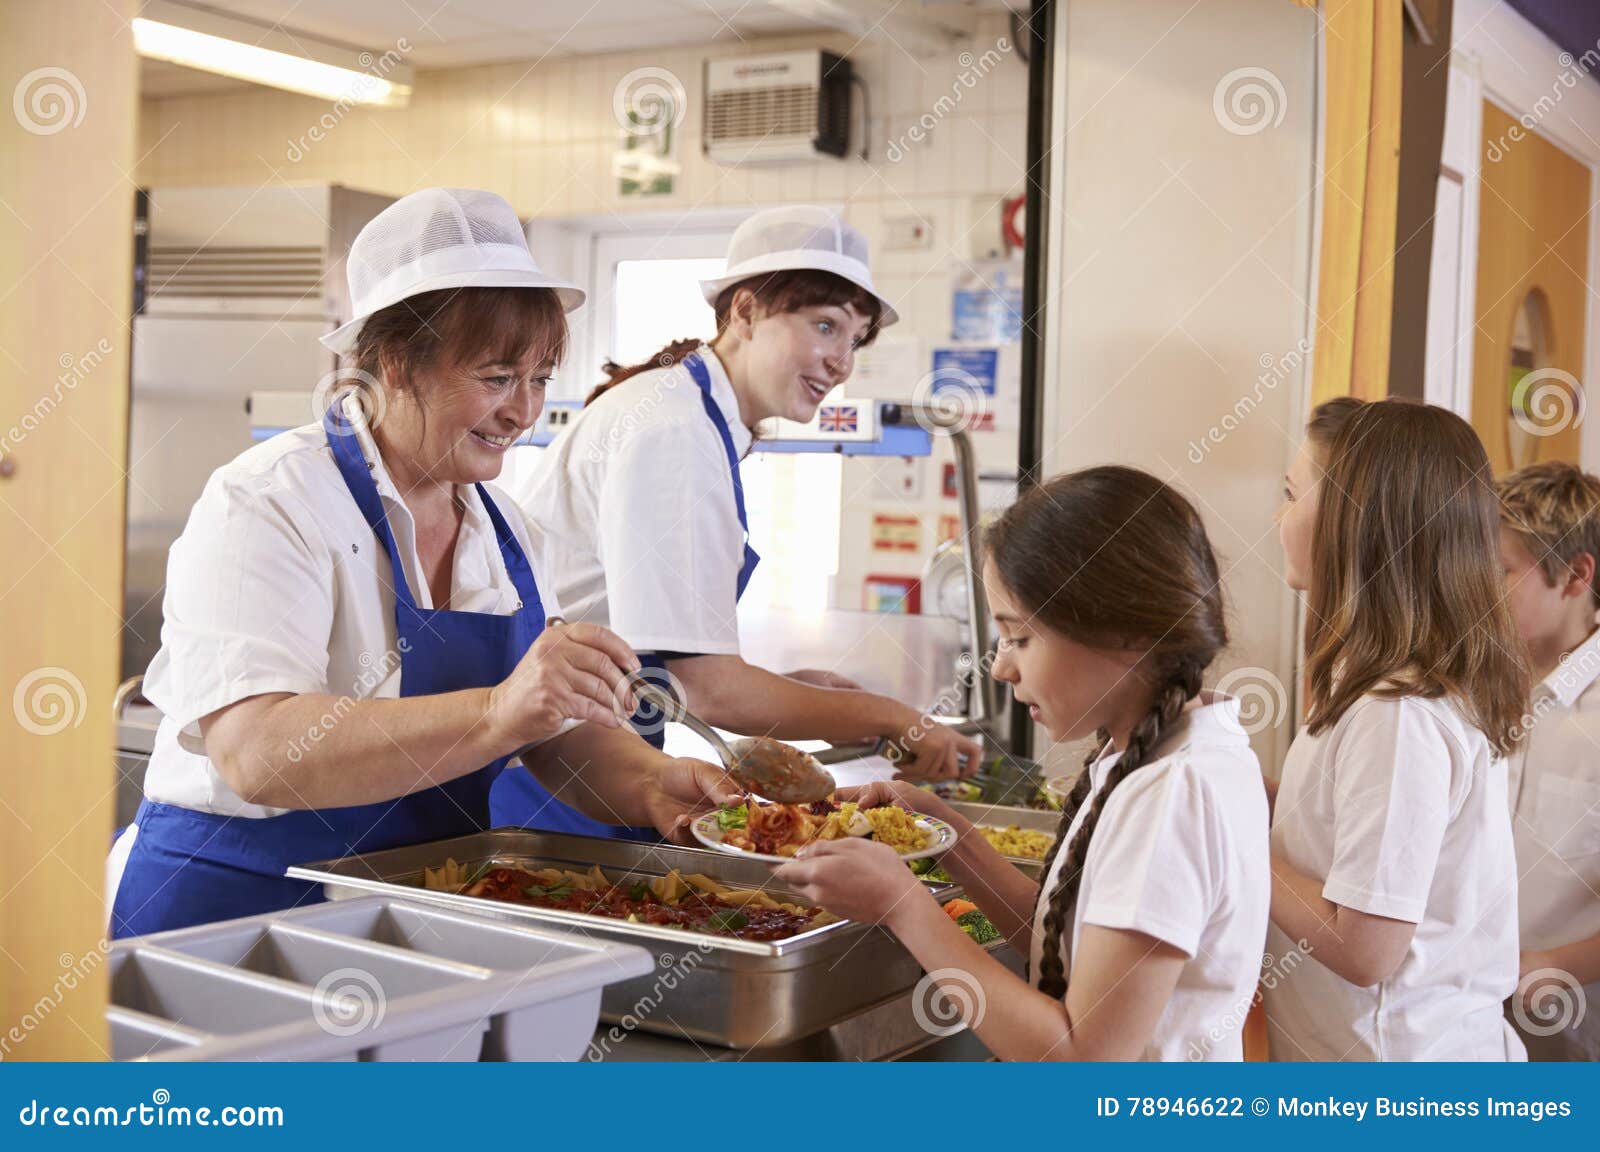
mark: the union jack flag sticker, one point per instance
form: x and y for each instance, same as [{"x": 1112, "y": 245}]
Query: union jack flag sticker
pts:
[{"x": 838, "y": 418}]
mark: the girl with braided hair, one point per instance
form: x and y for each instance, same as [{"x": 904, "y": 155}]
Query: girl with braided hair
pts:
[
  {"x": 1394, "y": 876},
  {"x": 1145, "y": 938}
]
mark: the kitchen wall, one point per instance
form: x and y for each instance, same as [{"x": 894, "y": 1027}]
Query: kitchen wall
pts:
[
  {"x": 66, "y": 260},
  {"x": 543, "y": 134},
  {"x": 1179, "y": 283}
]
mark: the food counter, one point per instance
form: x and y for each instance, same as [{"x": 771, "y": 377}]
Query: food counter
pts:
[{"x": 835, "y": 989}]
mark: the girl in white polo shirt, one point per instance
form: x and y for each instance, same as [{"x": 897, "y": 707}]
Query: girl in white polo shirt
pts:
[
  {"x": 1393, "y": 877},
  {"x": 1144, "y": 941}
]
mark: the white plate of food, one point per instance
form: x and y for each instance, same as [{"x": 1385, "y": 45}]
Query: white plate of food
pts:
[{"x": 777, "y": 831}]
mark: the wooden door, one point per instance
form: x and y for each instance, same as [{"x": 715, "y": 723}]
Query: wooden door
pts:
[
  {"x": 1533, "y": 259},
  {"x": 66, "y": 241}
]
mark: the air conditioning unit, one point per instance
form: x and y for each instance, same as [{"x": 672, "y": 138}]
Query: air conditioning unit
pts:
[{"x": 783, "y": 107}]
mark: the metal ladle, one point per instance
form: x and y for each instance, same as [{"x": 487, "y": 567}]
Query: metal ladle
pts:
[{"x": 762, "y": 765}]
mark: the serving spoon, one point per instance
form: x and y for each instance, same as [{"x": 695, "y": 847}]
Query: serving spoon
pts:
[{"x": 762, "y": 765}]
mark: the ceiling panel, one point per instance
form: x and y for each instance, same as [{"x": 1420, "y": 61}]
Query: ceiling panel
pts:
[{"x": 460, "y": 33}]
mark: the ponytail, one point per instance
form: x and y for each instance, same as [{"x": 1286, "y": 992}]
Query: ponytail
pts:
[{"x": 673, "y": 353}]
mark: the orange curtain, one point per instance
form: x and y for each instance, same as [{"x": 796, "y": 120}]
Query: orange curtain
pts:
[{"x": 1361, "y": 45}]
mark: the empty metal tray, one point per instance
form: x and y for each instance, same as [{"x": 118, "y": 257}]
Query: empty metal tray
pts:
[{"x": 372, "y": 979}]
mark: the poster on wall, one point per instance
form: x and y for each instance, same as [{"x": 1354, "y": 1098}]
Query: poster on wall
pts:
[
  {"x": 983, "y": 380},
  {"x": 649, "y": 104},
  {"x": 896, "y": 532},
  {"x": 888, "y": 368},
  {"x": 898, "y": 595},
  {"x": 986, "y": 301}
]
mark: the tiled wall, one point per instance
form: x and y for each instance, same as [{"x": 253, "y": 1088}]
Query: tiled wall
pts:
[{"x": 543, "y": 134}]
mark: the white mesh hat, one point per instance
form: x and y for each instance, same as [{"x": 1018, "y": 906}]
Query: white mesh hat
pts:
[
  {"x": 793, "y": 237},
  {"x": 439, "y": 238}
]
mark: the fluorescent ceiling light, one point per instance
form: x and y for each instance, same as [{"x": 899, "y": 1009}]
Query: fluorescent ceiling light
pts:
[
  {"x": 909, "y": 23},
  {"x": 212, "y": 42}
]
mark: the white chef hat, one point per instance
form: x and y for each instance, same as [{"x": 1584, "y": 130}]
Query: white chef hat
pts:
[
  {"x": 439, "y": 238},
  {"x": 793, "y": 237}
]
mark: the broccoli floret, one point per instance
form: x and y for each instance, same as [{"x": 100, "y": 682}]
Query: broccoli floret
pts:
[
  {"x": 928, "y": 869},
  {"x": 730, "y": 818},
  {"x": 976, "y": 925}
]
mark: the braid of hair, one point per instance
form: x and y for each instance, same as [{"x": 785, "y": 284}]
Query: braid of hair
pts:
[
  {"x": 673, "y": 353},
  {"x": 1181, "y": 687},
  {"x": 1074, "y": 800}
]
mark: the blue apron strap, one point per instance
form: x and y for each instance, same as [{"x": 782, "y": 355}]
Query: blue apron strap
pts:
[
  {"x": 516, "y": 561},
  {"x": 358, "y": 478},
  {"x": 702, "y": 378}
]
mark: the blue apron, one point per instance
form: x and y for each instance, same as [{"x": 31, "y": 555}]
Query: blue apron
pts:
[
  {"x": 513, "y": 800},
  {"x": 190, "y": 867}
]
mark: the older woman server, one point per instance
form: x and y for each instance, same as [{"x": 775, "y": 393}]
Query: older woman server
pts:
[{"x": 352, "y": 619}]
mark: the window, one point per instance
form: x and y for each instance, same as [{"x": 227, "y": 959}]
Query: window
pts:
[
  {"x": 657, "y": 302},
  {"x": 792, "y": 501}
]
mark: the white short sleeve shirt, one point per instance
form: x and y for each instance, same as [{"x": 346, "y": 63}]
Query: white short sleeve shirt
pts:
[
  {"x": 1555, "y": 818},
  {"x": 1180, "y": 854},
  {"x": 635, "y": 501},
  {"x": 1399, "y": 808},
  {"x": 278, "y": 584}
]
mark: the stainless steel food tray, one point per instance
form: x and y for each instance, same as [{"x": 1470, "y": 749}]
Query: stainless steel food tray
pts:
[
  {"x": 1001, "y": 816},
  {"x": 707, "y": 988},
  {"x": 1003, "y": 779}
]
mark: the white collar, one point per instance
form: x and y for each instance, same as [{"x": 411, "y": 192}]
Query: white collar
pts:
[
  {"x": 466, "y": 494},
  {"x": 1577, "y": 670},
  {"x": 1213, "y": 721},
  {"x": 727, "y": 403}
]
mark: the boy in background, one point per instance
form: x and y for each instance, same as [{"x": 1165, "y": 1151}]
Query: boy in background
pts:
[{"x": 1550, "y": 542}]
